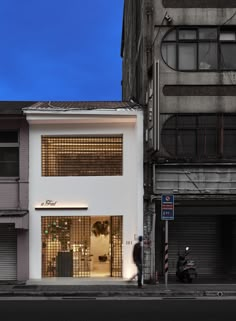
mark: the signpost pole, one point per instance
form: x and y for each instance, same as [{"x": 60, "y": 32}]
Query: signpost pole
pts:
[
  {"x": 166, "y": 253},
  {"x": 167, "y": 213}
]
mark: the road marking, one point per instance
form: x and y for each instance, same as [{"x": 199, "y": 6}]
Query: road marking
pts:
[
  {"x": 25, "y": 298},
  {"x": 179, "y": 298},
  {"x": 79, "y": 298},
  {"x": 130, "y": 298}
]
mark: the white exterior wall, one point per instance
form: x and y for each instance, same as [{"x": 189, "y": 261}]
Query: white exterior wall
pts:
[{"x": 104, "y": 195}]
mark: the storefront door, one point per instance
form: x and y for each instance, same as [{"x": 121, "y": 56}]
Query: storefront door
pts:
[{"x": 81, "y": 246}]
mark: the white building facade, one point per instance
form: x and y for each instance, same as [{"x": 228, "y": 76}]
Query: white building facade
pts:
[{"x": 85, "y": 189}]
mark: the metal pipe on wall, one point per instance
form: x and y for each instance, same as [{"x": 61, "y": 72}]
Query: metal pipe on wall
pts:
[{"x": 156, "y": 106}]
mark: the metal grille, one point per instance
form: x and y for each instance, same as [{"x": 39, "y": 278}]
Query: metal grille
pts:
[
  {"x": 66, "y": 246},
  {"x": 82, "y": 156},
  {"x": 116, "y": 246}
]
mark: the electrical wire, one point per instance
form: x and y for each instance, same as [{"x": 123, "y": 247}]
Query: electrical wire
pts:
[
  {"x": 229, "y": 19},
  {"x": 159, "y": 28}
]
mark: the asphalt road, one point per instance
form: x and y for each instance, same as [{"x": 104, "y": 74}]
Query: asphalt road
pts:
[{"x": 118, "y": 310}]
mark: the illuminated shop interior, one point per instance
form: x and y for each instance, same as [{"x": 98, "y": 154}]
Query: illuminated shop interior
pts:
[
  {"x": 82, "y": 156},
  {"x": 81, "y": 246}
]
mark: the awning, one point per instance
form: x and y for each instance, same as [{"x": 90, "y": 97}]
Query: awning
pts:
[{"x": 19, "y": 218}]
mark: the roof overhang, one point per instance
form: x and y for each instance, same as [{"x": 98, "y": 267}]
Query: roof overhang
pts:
[
  {"x": 81, "y": 117},
  {"x": 19, "y": 218}
]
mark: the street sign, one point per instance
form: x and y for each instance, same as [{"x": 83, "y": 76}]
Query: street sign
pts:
[{"x": 167, "y": 207}]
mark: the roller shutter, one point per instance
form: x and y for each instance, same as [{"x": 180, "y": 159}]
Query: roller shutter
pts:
[
  {"x": 201, "y": 234},
  {"x": 8, "y": 243},
  {"x": 233, "y": 248}
]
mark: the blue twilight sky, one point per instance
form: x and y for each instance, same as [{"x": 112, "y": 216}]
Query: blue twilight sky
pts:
[{"x": 60, "y": 49}]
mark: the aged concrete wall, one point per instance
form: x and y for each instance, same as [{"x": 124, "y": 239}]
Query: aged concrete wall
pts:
[
  {"x": 128, "y": 50},
  {"x": 135, "y": 46},
  {"x": 209, "y": 180},
  {"x": 189, "y": 182},
  {"x": 192, "y": 17}
]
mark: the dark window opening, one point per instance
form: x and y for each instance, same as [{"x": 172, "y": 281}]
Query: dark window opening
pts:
[
  {"x": 199, "y": 138},
  {"x": 9, "y": 154}
]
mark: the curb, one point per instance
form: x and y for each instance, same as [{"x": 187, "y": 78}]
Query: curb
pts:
[
  {"x": 138, "y": 293},
  {"x": 113, "y": 291},
  {"x": 220, "y": 293}
]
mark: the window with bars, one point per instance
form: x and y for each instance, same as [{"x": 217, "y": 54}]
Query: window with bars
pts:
[
  {"x": 82, "y": 156},
  {"x": 9, "y": 154},
  {"x": 200, "y": 137}
]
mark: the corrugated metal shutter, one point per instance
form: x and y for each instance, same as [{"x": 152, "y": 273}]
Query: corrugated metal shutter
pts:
[
  {"x": 233, "y": 249},
  {"x": 8, "y": 243},
  {"x": 201, "y": 234}
]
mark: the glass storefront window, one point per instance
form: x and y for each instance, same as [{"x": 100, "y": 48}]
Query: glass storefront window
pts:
[{"x": 81, "y": 246}]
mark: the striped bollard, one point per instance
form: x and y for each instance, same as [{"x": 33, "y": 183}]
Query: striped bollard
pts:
[
  {"x": 166, "y": 263},
  {"x": 166, "y": 253}
]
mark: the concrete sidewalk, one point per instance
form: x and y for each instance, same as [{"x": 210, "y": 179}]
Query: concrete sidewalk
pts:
[{"x": 96, "y": 288}]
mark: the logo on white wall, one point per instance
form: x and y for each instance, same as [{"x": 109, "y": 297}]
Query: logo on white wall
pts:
[
  {"x": 48, "y": 203},
  {"x": 53, "y": 204}
]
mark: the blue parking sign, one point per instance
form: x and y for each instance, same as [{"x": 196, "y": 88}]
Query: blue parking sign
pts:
[{"x": 167, "y": 207}]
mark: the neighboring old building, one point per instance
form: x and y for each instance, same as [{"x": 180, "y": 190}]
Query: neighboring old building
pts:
[
  {"x": 179, "y": 62},
  {"x": 86, "y": 188},
  {"x": 13, "y": 191}
]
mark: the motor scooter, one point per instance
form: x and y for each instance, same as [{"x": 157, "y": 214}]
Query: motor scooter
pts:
[{"x": 185, "y": 268}]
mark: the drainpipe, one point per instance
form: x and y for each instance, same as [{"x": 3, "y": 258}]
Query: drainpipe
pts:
[
  {"x": 153, "y": 256},
  {"x": 156, "y": 106},
  {"x": 18, "y": 193},
  {"x": 153, "y": 236}
]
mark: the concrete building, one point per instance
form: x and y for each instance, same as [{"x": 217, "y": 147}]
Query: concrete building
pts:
[
  {"x": 13, "y": 192},
  {"x": 179, "y": 62},
  {"x": 86, "y": 188}
]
